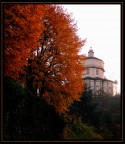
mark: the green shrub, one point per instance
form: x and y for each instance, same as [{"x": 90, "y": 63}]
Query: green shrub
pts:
[{"x": 80, "y": 131}]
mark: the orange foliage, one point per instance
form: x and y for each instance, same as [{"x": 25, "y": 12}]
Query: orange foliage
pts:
[
  {"x": 22, "y": 28},
  {"x": 57, "y": 68}
]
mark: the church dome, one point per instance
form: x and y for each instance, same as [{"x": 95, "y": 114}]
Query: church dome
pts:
[{"x": 95, "y": 65}]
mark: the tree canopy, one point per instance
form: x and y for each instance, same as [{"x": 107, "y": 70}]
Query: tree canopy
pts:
[{"x": 44, "y": 39}]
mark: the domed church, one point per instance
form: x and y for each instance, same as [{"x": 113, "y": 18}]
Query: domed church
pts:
[{"x": 94, "y": 75}]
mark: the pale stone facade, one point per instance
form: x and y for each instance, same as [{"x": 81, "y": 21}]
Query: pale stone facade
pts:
[{"x": 94, "y": 75}]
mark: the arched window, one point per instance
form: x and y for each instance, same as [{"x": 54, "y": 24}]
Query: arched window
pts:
[{"x": 97, "y": 72}]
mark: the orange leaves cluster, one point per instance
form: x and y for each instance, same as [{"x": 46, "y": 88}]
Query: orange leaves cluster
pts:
[{"x": 22, "y": 28}]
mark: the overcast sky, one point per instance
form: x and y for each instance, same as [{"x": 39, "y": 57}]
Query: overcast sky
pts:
[{"x": 100, "y": 25}]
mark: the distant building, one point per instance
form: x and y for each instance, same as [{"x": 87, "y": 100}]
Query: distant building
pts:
[{"x": 94, "y": 75}]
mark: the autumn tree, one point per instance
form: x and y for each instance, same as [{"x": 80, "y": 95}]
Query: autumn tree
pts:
[
  {"x": 22, "y": 28},
  {"x": 56, "y": 67},
  {"x": 45, "y": 38}
]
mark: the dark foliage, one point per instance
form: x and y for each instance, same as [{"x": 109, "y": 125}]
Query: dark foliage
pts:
[
  {"x": 86, "y": 108},
  {"x": 28, "y": 117},
  {"x": 102, "y": 112}
]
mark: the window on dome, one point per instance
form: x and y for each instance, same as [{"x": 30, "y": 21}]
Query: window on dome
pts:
[{"x": 97, "y": 72}]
